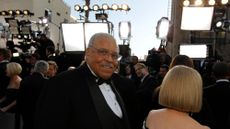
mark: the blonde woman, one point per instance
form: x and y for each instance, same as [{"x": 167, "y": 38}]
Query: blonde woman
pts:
[
  {"x": 180, "y": 94},
  {"x": 8, "y": 102}
]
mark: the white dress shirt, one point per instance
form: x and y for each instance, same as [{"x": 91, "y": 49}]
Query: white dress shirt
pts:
[{"x": 110, "y": 98}]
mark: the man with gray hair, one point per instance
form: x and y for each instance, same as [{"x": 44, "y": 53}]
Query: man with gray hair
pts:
[
  {"x": 29, "y": 92},
  {"x": 91, "y": 96}
]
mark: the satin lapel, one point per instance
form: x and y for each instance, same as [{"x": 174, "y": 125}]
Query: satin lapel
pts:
[
  {"x": 121, "y": 103},
  {"x": 99, "y": 104}
]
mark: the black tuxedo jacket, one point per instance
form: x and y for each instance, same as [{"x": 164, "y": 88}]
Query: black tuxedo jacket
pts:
[
  {"x": 144, "y": 96},
  {"x": 72, "y": 100},
  {"x": 4, "y": 80},
  {"x": 29, "y": 91},
  {"x": 218, "y": 96}
]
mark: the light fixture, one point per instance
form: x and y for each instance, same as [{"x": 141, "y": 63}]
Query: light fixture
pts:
[
  {"x": 115, "y": 7},
  {"x": 186, "y": 3},
  {"x": 198, "y": 2},
  {"x": 43, "y": 20},
  {"x": 18, "y": 12},
  {"x": 96, "y": 7},
  {"x": 222, "y": 25},
  {"x": 4, "y": 13},
  {"x": 85, "y": 8},
  {"x": 124, "y": 30},
  {"x": 125, "y": 7},
  {"x": 162, "y": 28},
  {"x": 212, "y": 2},
  {"x": 219, "y": 23},
  {"x": 105, "y": 6},
  {"x": 11, "y": 12},
  {"x": 19, "y": 36},
  {"x": 26, "y": 12},
  {"x": 77, "y": 7},
  {"x": 224, "y": 1}
]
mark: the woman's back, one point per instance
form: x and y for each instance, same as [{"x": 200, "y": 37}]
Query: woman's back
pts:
[{"x": 171, "y": 119}]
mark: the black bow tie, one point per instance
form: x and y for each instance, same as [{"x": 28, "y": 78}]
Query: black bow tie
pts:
[{"x": 101, "y": 81}]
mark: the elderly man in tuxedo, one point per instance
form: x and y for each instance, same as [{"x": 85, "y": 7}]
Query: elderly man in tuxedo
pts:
[{"x": 87, "y": 97}]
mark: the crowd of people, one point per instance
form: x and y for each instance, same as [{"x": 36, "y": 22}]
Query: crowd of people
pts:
[{"x": 100, "y": 93}]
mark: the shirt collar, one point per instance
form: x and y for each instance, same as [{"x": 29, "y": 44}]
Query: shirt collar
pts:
[{"x": 222, "y": 80}]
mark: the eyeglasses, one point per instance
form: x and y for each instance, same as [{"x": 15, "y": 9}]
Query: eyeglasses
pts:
[{"x": 105, "y": 53}]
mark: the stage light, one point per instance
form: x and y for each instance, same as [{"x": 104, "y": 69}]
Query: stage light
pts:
[
  {"x": 162, "y": 28},
  {"x": 219, "y": 24},
  {"x": 201, "y": 18},
  {"x": 4, "y": 13},
  {"x": 186, "y": 3},
  {"x": 198, "y": 2},
  {"x": 85, "y": 7},
  {"x": 212, "y": 2},
  {"x": 115, "y": 7},
  {"x": 16, "y": 54},
  {"x": 125, "y": 7},
  {"x": 77, "y": 7},
  {"x": 105, "y": 6},
  {"x": 224, "y": 1},
  {"x": 19, "y": 36},
  {"x": 18, "y": 12},
  {"x": 96, "y": 7},
  {"x": 26, "y": 36},
  {"x": 11, "y": 12},
  {"x": 26, "y": 12},
  {"x": 124, "y": 30},
  {"x": 44, "y": 20}
]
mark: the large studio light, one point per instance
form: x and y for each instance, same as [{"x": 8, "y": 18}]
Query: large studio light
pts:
[
  {"x": 201, "y": 18},
  {"x": 163, "y": 28},
  {"x": 124, "y": 30}
]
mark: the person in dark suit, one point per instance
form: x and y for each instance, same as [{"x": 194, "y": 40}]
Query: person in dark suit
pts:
[
  {"x": 87, "y": 97},
  {"x": 144, "y": 92},
  {"x": 29, "y": 91},
  {"x": 5, "y": 56},
  {"x": 216, "y": 95}
]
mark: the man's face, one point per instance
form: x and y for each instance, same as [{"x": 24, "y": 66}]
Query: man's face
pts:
[
  {"x": 162, "y": 72},
  {"x": 102, "y": 57},
  {"x": 139, "y": 71},
  {"x": 51, "y": 71}
]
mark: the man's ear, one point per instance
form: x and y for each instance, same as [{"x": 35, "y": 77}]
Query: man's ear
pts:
[{"x": 87, "y": 52}]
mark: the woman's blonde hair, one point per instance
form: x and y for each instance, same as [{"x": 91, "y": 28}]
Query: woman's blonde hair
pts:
[
  {"x": 14, "y": 68},
  {"x": 181, "y": 89}
]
